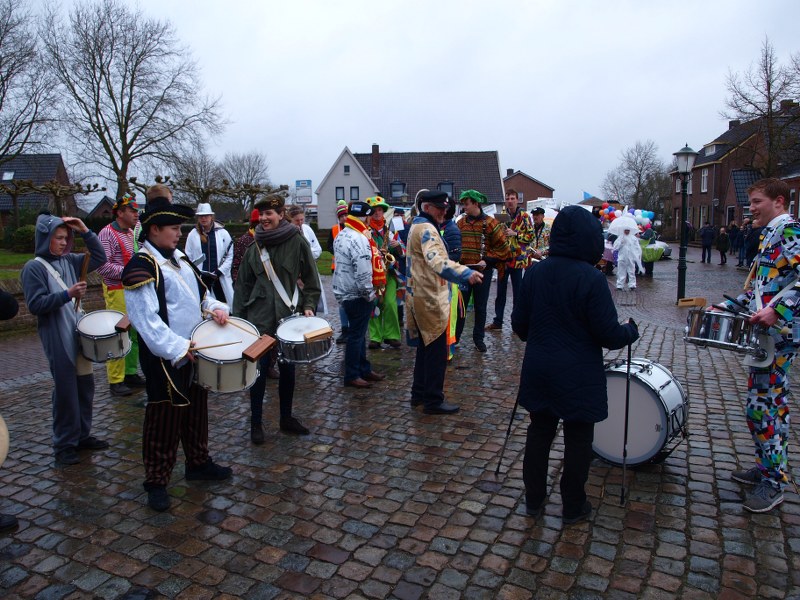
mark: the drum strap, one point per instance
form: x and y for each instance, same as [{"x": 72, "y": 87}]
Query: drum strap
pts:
[
  {"x": 273, "y": 277},
  {"x": 54, "y": 274}
]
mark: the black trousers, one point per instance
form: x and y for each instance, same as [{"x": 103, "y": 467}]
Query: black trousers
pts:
[
  {"x": 285, "y": 389},
  {"x": 578, "y": 437},
  {"x": 430, "y": 368}
]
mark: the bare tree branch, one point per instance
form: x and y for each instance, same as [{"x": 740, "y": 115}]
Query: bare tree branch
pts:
[
  {"x": 248, "y": 176},
  {"x": 134, "y": 92},
  {"x": 640, "y": 179},
  {"x": 27, "y": 97}
]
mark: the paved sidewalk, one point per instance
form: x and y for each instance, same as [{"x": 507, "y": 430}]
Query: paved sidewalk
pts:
[{"x": 381, "y": 501}]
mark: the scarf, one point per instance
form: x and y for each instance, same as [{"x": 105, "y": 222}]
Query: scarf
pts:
[
  {"x": 268, "y": 238},
  {"x": 378, "y": 268}
]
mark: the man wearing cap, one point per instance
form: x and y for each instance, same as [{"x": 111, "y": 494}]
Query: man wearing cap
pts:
[
  {"x": 428, "y": 267},
  {"x": 519, "y": 232},
  {"x": 359, "y": 273},
  {"x": 166, "y": 299},
  {"x": 211, "y": 241},
  {"x": 384, "y": 326},
  {"x": 341, "y": 215},
  {"x": 120, "y": 243},
  {"x": 540, "y": 244},
  {"x": 484, "y": 243}
]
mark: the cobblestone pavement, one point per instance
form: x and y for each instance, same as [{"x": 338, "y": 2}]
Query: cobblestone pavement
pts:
[{"x": 381, "y": 501}]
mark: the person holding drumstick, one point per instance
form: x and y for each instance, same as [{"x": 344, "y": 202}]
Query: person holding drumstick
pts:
[
  {"x": 53, "y": 291},
  {"x": 566, "y": 316},
  {"x": 165, "y": 298},
  {"x": 267, "y": 292},
  {"x": 773, "y": 300}
]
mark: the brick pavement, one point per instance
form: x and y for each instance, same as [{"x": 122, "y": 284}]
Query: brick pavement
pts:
[{"x": 382, "y": 501}]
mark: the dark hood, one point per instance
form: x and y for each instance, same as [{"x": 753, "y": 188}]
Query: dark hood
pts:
[
  {"x": 577, "y": 234},
  {"x": 45, "y": 226}
]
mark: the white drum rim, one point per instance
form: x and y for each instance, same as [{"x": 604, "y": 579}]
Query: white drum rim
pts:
[
  {"x": 4, "y": 441},
  {"x": 102, "y": 336},
  {"x": 287, "y": 320},
  {"x": 221, "y": 361}
]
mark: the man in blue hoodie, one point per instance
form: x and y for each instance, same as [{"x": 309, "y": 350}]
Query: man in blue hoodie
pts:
[
  {"x": 52, "y": 289},
  {"x": 566, "y": 315}
]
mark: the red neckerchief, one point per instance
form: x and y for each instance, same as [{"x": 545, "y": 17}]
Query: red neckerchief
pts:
[{"x": 378, "y": 268}]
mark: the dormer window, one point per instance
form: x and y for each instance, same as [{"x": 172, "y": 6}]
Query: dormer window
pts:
[
  {"x": 8, "y": 175},
  {"x": 398, "y": 189},
  {"x": 446, "y": 186},
  {"x": 710, "y": 150}
]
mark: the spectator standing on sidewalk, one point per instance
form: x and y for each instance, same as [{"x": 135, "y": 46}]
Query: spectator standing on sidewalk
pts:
[
  {"x": 706, "y": 234},
  {"x": 723, "y": 244}
]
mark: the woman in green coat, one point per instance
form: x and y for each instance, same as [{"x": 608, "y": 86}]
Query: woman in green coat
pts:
[{"x": 258, "y": 300}]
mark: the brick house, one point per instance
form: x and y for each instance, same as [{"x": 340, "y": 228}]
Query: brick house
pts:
[
  {"x": 723, "y": 170},
  {"x": 40, "y": 169},
  {"x": 398, "y": 176},
  {"x": 527, "y": 187}
]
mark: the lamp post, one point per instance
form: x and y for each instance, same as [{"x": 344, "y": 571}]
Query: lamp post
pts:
[{"x": 685, "y": 158}]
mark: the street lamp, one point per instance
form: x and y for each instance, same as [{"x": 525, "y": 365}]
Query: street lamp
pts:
[{"x": 685, "y": 158}]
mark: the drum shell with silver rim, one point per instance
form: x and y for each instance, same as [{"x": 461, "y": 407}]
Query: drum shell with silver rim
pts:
[
  {"x": 293, "y": 347},
  {"x": 223, "y": 369},
  {"x": 721, "y": 330},
  {"x": 98, "y": 339},
  {"x": 657, "y": 412}
]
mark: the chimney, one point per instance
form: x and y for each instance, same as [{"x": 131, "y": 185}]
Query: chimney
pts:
[
  {"x": 376, "y": 162},
  {"x": 733, "y": 124},
  {"x": 509, "y": 172}
]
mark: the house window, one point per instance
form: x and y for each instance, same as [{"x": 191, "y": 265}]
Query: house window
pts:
[
  {"x": 704, "y": 181},
  {"x": 347, "y": 169},
  {"x": 398, "y": 189},
  {"x": 354, "y": 194},
  {"x": 677, "y": 184},
  {"x": 703, "y": 215},
  {"x": 8, "y": 175},
  {"x": 731, "y": 211},
  {"x": 689, "y": 186},
  {"x": 710, "y": 150},
  {"x": 447, "y": 187},
  {"x": 339, "y": 193}
]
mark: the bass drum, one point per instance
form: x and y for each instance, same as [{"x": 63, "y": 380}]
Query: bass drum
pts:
[{"x": 657, "y": 413}]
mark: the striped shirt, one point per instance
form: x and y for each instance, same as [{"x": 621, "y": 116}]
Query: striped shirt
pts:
[
  {"x": 495, "y": 244},
  {"x": 119, "y": 248}
]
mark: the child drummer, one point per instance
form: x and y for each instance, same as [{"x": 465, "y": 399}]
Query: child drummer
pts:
[
  {"x": 267, "y": 291},
  {"x": 52, "y": 291},
  {"x": 165, "y": 297}
]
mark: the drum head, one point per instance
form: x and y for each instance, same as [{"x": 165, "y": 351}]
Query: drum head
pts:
[
  {"x": 3, "y": 441},
  {"x": 209, "y": 333},
  {"x": 99, "y": 323},
  {"x": 293, "y": 328},
  {"x": 647, "y": 422}
]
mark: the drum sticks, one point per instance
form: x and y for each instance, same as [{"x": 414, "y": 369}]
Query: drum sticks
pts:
[
  {"x": 231, "y": 323},
  {"x": 198, "y": 348}
]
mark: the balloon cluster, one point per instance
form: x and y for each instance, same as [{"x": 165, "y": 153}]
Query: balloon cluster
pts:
[{"x": 644, "y": 218}]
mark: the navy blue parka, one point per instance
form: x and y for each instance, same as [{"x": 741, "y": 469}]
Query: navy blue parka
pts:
[{"x": 566, "y": 315}]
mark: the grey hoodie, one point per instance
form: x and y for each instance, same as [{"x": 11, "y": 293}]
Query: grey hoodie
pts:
[{"x": 46, "y": 298}]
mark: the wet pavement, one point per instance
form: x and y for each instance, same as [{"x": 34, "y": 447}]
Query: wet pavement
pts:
[{"x": 382, "y": 501}]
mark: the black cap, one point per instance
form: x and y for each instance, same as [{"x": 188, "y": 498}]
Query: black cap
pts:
[
  {"x": 433, "y": 196},
  {"x": 359, "y": 209},
  {"x": 537, "y": 211}
]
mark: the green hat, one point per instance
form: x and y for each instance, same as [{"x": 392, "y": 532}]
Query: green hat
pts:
[
  {"x": 474, "y": 195},
  {"x": 377, "y": 202}
]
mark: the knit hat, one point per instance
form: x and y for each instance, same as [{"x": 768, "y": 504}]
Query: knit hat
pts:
[
  {"x": 254, "y": 217},
  {"x": 474, "y": 195}
]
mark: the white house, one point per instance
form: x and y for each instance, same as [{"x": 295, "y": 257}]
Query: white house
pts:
[{"x": 347, "y": 180}]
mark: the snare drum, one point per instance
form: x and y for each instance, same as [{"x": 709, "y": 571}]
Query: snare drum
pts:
[
  {"x": 720, "y": 330},
  {"x": 292, "y": 344},
  {"x": 99, "y": 340},
  {"x": 657, "y": 413},
  {"x": 223, "y": 369}
]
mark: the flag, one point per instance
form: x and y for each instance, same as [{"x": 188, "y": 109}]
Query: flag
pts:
[{"x": 586, "y": 195}]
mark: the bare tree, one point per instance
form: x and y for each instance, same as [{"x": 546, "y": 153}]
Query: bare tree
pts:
[
  {"x": 640, "y": 179},
  {"x": 198, "y": 176},
  {"x": 133, "y": 92},
  {"x": 27, "y": 96},
  {"x": 248, "y": 176},
  {"x": 756, "y": 96}
]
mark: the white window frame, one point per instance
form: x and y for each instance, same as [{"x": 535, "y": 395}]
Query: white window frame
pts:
[
  {"x": 347, "y": 169},
  {"x": 339, "y": 189},
  {"x": 704, "y": 181},
  {"x": 354, "y": 197},
  {"x": 677, "y": 184}
]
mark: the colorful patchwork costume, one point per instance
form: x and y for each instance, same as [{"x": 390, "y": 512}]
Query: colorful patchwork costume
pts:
[{"x": 776, "y": 267}]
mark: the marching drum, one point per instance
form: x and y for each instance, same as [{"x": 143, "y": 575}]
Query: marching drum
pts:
[
  {"x": 657, "y": 413},
  {"x": 224, "y": 368},
  {"x": 100, "y": 339},
  {"x": 304, "y": 339},
  {"x": 720, "y": 330}
]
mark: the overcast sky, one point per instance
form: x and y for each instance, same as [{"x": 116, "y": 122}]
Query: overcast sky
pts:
[{"x": 558, "y": 88}]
